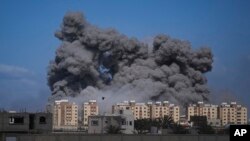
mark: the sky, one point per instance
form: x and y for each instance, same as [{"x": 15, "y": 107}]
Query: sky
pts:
[{"x": 27, "y": 41}]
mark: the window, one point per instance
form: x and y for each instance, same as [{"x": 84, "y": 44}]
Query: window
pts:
[
  {"x": 11, "y": 120},
  {"x": 94, "y": 122},
  {"x": 42, "y": 120},
  {"x": 130, "y": 123},
  {"x": 121, "y": 112},
  {"x": 123, "y": 122},
  {"x": 16, "y": 120}
]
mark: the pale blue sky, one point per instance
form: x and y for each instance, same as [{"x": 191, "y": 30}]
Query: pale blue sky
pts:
[{"x": 27, "y": 41}]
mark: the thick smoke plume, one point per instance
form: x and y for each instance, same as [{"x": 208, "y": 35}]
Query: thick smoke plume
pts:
[{"x": 92, "y": 63}]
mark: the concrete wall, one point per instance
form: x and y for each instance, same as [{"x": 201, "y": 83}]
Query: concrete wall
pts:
[
  {"x": 29, "y": 119},
  {"x": 102, "y": 125},
  {"x": 5, "y": 126},
  {"x": 44, "y": 127},
  {"x": 84, "y": 137}
]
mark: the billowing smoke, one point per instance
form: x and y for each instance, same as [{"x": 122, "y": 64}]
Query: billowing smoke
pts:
[{"x": 92, "y": 63}]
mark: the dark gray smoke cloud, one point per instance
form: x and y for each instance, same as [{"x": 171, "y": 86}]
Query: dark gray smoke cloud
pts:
[{"x": 93, "y": 62}]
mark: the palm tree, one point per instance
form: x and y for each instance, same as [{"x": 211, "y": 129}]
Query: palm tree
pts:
[{"x": 167, "y": 122}]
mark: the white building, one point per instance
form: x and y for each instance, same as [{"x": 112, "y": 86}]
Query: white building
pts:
[{"x": 122, "y": 119}]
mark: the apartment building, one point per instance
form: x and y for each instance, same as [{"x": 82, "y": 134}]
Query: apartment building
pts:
[
  {"x": 139, "y": 110},
  {"x": 65, "y": 115},
  {"x": 161, "y": 109},
  {"x": 232, "y": 114},
  {"x": 150, "y": 109},
  {"x": 201, "y": 109},
  {"x": 210, "y": 111},
  {"x": 89, "y": 109}
]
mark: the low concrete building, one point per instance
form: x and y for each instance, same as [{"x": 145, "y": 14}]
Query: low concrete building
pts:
[
  {"x": 12, "y": 122},
  {"x": 127, "y": 125},
  {"x": 99, "y": 124},
  {"x": 122, "y": 119}
]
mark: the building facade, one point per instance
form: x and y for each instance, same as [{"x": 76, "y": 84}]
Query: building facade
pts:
[
  {"x": 65, "y": 115},
  {"x": 208, "y": 110},
  {"x": 161, "y": 109},
  {"x": 24, "y": 122},
  {"x": 89, "y": 109},
  {"x": 232, "y": 114},
  {"x": 121, "y": 119},
  {"x": 201, "y": 109},
  {"x": 219, "y": 115},
  {"x": 150, "y": 109}
]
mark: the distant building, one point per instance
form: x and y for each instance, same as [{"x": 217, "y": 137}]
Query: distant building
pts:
[
  {"x": 141, "y": 110},
  {"x": 201, "y": 109},
  {"x": 13, "y": 122},
  {"x": 219, "y": 115},
  {"x": 89, "y": 109},
  {"x": 159, "y": 110},
  {"x": 150, "y": 109},
  {"x": 232, "y": 114},
  {"x": 65, "y": 115},
  {"x": 121, "y": 119},
  {"x": 208, "y": 110}
]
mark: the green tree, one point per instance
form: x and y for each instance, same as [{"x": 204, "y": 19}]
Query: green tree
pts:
[
  {"x": 167, "y": 122},
  {"x": 179, "y": 129},
  {"x": 113, "y": 129},
  {"x": 206, "y": 129},
  {"x": 142, "y": 125}
]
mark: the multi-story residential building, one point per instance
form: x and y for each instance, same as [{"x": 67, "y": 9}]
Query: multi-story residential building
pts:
[
  {"x": 124, "y": 106},
  {"x": 201, "y": 109},
  {"x": 141, "y": 111},
  {"x": 232, "y": 114},
  {"x": 150, "y": 110},
  {"x": 89, "y": 109},
  {"x": 65, "y": 115},
  {"x": 159, "y": 110},
  {"x": 216, "y": 116}
]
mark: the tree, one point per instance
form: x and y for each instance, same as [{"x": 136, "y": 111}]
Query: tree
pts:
[
  {"x": 206, "y": 129},
  {"x": 167, "y": 122},
  {"x": 179, "y": 129},
  {"x": 142, "y": 125},
  {"x": 113, "y": 129}
]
